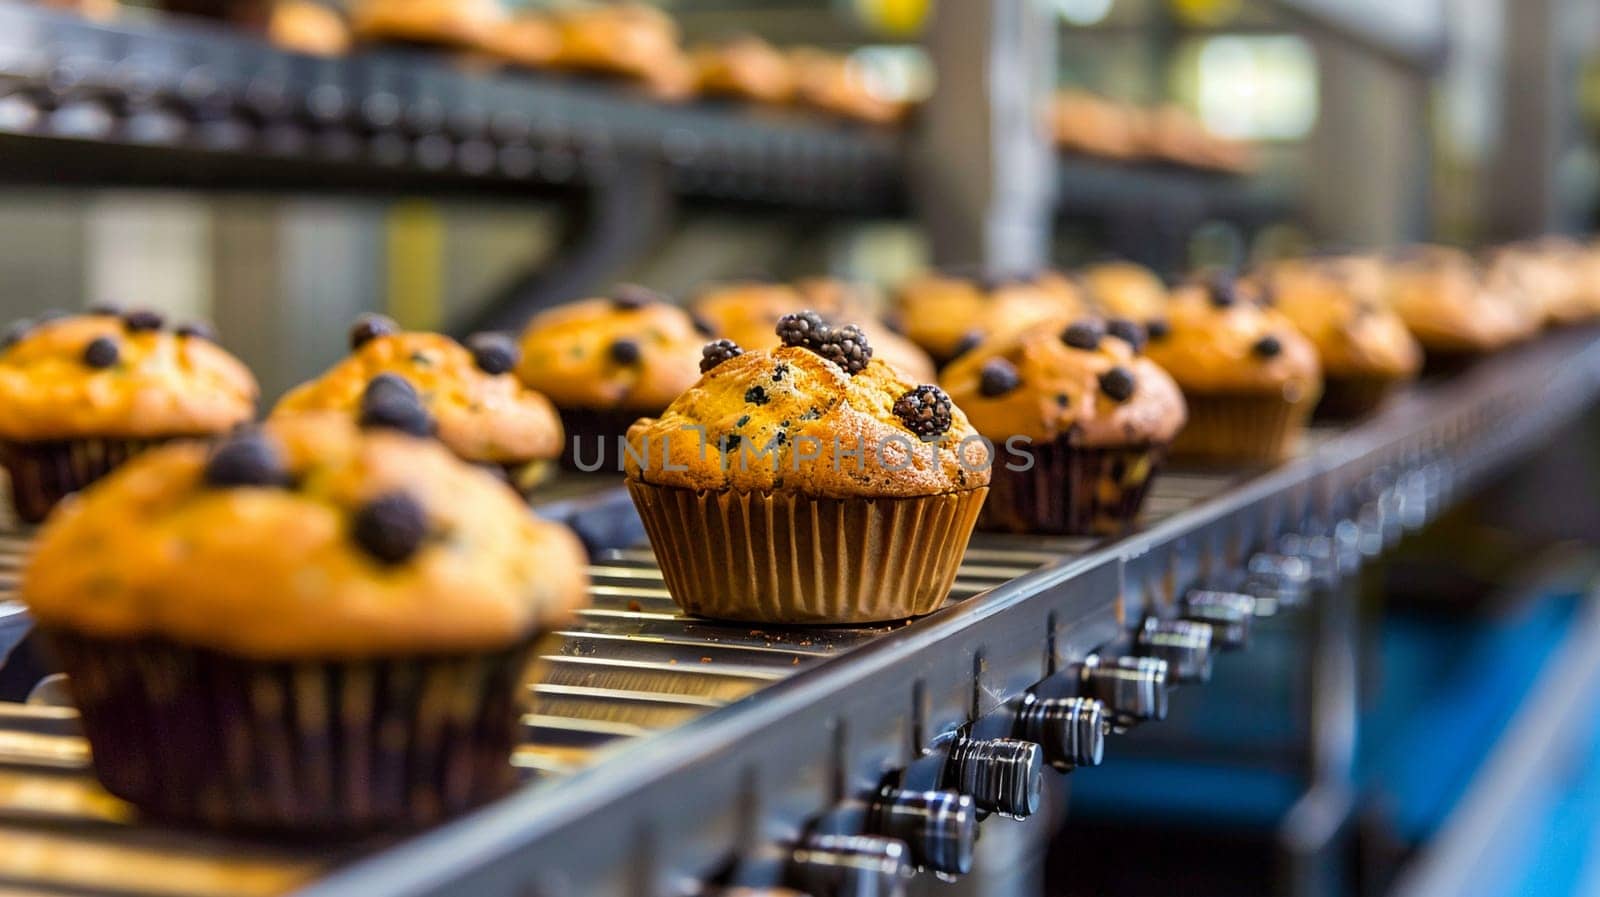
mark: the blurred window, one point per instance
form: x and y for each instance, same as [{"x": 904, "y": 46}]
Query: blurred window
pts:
[{"x": 1257, "y": 87}]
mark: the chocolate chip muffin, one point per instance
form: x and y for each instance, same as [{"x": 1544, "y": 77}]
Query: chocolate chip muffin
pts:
[
  {"x": 1250, "y": 378},
  {"x": 81, "y": 394},
  {"x": 807, "y": 484},
  {"x": 1124, "y": 290},
  {"x": 633, "y": 41},
  {"x": 1451, "y": 309},
  {"x": 305, "y": 627},
  {"x": 748, "y": 312},
  {"x": 426, "y": 384},
  {"x": 1082, "y": 418},
  {"x": 1365, "y": 348},
  {"x": 828, "y": 82},
  {"x": 745, "y": 68},
  {"x": 947, "y": 313},
  {"x": 607, "y": 362},
  {"x": 453, "y": 24}
]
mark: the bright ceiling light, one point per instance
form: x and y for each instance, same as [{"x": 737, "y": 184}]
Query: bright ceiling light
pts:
[{"x": 1083, "y": 12}]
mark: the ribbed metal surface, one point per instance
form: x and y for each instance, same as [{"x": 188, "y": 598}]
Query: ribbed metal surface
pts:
[{"x": 627, "y": 666}]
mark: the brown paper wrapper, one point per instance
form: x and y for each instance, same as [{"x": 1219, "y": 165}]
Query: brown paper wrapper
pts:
[
  {"x": 593, "y": 434},
  {"x": 43, "y": 473},
  {"x": 1347, "y": 398},
  {"x": 1072, "y": 490},
  {"x": 781, "y": 558},
  {"x": 331, "y": 747},
  {"x": 1242, "y": 428}
]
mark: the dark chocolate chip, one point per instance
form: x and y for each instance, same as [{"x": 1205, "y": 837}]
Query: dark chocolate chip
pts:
[
  {"x": 743, "y": 419},
  {"x": 1128, "y": 332},
  {"x": 778, "y": 372},
  {"x": 102, "y": 352},
  {"x": 632, "y": 297},
  {"x": 1118, "y": 384},
  {"x": 142, "y": 320},
  {"x": 389, "y": 384},
  {"x": 1222, "y": 291},
  {"x": 999, "y": 377},
  {"x": 1157, "y": 329},
  {"x": 1084, "y": 335},
  {"x": 493, "y": 353},
  {"x": 925, "y": 411},
  {"x": 968, "y": 342},
  {"x": 625, "y": 351},
  {"x": 701, "y": 325},
  {"x": 716, "y": 352},
  {"x": 390, "y": 528},
  {"x": 369, "y": 327},
  {"x": 1063, "y": 400},
  {"x": 247, "y": 458},
  {"x": 394, "y": 405},
  {"x": 757, "y": 395},
  {"x": 197, "y": 330},
  {"x": 1268, "y": 346}
]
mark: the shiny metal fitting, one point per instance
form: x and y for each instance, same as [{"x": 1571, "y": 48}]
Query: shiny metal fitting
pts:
[{"x": 1070, "y": 731}]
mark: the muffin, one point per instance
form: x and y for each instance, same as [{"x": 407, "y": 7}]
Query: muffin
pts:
[
  {"x": 1250, "y": 378},
  {"x": 834, "y": 84},
  {"x": 1084, "y": 418},
  {"x": 98, "y": 10},
  {"x": 81, "y": 394},
  {"x": 525, "y": 39},
  {"x": 1365, "y": 348},
  {"x": 1095, "y": 126},
  {"x": 307, "y": 627},
  {"x": 431, "y": 384},
  {"x": 457, "y": 24},
  {"x": 307, "y": 27},
  {"x": 1124, "y": 290},
  {"x": 1451, "y": 310},
  {"x": 607, "y": 362},
  {"x": 747, "y": 313},
  {"x": 947, "y": 314},
  {"x": 633, "y": 41},
  {"x": 744, "y": 68},
  {"x": 807, "y": 484}
]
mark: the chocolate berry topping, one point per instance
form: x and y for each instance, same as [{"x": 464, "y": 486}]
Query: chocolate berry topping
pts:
[
  {"x": 925, "y": 411},
  {"x": 625, "y": 351},
  {"x": 246, "y": 459},
  {"x": 140, "y": 320},
  {"x": 390, "y": 528},
  {"x": 805, "y": 329},
  {"x": 1157, "y": 329},
  {"x": 1268, "y": 346},
  {"x": 197, "y": 330},
  {"x": 369, "y": 327},
  {"x": 846, "y": 347},
  {"x": 1117, "y": 384},
  {"x": 14, "y": 333},
  {"x": 391, "y": 403},
  {"x": 632, "y": 297},
  {"x": 998, "y": 377},
  {"x": 389, "y": 384},
  {"x": 102, "y": 352},
  {"x": 1222, "y": 291},
  {"x": 716, "y": 352},
  {"x": 1084, "y": 335},
  {"x": 969, "y": 341},
  {"x": 1127, "y": 331},
  {"x": 493, "y": 353},
  {"x": 110, "y": 309}
]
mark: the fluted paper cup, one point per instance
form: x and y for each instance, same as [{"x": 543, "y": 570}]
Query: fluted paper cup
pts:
[
  {"x": 1071, "y": 490},
  {"x": 1242, "y": 428},
  {"x": 783, "y": 558},
  {"x": 43, "y": 473}
]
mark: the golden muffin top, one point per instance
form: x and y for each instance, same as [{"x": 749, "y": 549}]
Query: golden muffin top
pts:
[
  {"x": 463, "y": 23},
  {"x": 1356, "y": 334},
  {"x": 1218, "y": 337},
  {"x": 631, "y": 352},
  {"x": 947, "y": 314},
  {"x": 1545, "y": 276},
  {"x": 747, "y": 312},
  {"x": 1083, "y": 380},
  {"x": 746, "y": 67},
  {"x": 118, "y": 375},
  {"x": 306, "y": 538},
  {"x": 632, "y": 39},
  {"x": 1125, "y": 290},
  {"x": 818, "y": 416},
  {"x": 1449, "y": 306},
  {"x": 469, "y": 396}
]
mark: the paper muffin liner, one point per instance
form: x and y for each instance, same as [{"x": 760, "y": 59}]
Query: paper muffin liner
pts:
[
  {"x": 1346, "y": 398},
  {"x": 595, "y": 433},
  {"x": 1072, "y": 490},
  {"x": 772, "y": 557},
  {"x": 331, "y": 747},
  {"x": 1237, "y": 428},
  {"x": 43, "y": 473}
]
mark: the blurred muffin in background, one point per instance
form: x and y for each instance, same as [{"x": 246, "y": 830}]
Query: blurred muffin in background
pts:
[
  {"x": 1365, "y": 348},
  {"x": 748, "y": 311},
  {"x": 634, "y": 41},
  {"x": 454, "y": 24},
  {"x": 835, "y": 84},
  {"x": 1453, "y": 310},
  {"x": 744, "y": 67},
  {"x": 1093, "y": 125},
  {"x": 527, "y": 39},
  {"x": 1121, "y": 289},
  {"x": 947, "y": 314}
]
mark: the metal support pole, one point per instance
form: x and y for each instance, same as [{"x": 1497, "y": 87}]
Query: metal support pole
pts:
[{"x": 983, "y": 168}]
